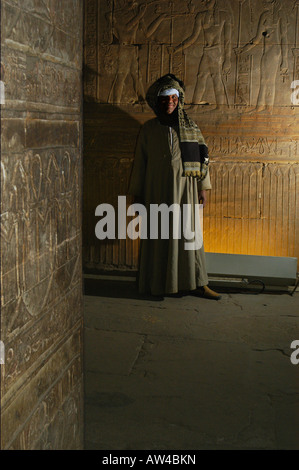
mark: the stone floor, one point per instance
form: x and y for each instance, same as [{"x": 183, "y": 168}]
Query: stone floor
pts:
[{"x": 186, "y": 373}]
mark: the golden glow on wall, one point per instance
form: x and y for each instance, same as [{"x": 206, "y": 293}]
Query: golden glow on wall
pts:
[{"x": 240, "y": 63}]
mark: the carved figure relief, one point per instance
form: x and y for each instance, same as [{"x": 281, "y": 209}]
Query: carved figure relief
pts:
[
  {"x": 218, "y": 48},
  {"x": 28, "y": 78},
  {"x": 39, "y": 221},
  {"x": 215, "y": 25},
  {"x": 40, "y": 218},
  {"x": 43, "y": 25},
  {"x": 125, "y": 20},
  {"x": 239, "y": 60},
  {"x": 271, "y": 33}
]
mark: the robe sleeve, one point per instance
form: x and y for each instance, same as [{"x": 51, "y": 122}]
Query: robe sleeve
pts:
[
  {"x": 137, "y": 179},
  {"x": 205, "y": 183}
]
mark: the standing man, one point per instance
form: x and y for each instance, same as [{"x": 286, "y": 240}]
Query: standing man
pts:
[{"x": 171, "y": 167}]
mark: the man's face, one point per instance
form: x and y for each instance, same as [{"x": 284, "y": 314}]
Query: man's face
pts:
[{"x": 167, "y": 104}]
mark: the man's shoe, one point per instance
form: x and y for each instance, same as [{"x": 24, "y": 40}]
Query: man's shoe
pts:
[{"x": 207, "y": 293}]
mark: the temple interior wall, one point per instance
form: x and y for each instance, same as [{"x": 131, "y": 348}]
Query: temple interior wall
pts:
[
  {"x": 41, "y": 273},
  {"x": 240, "y": 64}
]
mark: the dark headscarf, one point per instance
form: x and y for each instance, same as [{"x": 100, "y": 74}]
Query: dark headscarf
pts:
[{"x": 193, "y": 147}]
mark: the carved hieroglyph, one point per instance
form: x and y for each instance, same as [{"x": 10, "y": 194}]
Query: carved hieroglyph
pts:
[
  {"x": 241, "y": 52},
  {"x": 41, "y": 279},
  {"x": 239, "y": 60}
]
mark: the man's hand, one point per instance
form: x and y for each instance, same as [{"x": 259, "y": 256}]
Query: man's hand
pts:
[{"x": 202, "y": 197}]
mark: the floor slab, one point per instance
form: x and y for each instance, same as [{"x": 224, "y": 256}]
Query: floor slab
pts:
[{"x": 186, "y": 373}]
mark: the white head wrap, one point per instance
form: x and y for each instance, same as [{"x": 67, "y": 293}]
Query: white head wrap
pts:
[{"x": 170, "y": 91}]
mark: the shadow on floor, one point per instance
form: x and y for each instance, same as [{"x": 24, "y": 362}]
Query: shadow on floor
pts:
[
  {"x": 129, "y": 290},
  {"x": 115, "y": 289}
]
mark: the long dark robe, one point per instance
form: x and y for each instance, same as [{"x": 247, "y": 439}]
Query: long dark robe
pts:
[{"x": 166, "y": 267}]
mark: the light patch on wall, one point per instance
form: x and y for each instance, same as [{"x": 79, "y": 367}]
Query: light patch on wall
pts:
[
  {"x": 2, "y": 93},
  {"x": 2, "y": 352},
  {"x": 295, "y": 93}
]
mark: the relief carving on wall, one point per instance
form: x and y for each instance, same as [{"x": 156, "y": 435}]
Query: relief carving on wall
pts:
[
  {"x": 271, "y": 34},
  {"x": 39, "y": 219},
  {"x": 215, "y": 26},
  {"x": 41, "y": 279},
  {"x": 242, "y": 53},
  {"x": 42, "y": 27},
  {"x": 239, "y": 60}
]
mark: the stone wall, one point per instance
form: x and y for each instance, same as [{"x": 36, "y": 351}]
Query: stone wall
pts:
[
  {"x": 41, "y": 280},
  {"x": 240, "y": 64}
]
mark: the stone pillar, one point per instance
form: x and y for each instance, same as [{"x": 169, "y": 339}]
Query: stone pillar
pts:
[
  {"x": 41, "y": 280},
  {"x": 239, "y": 60}
]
